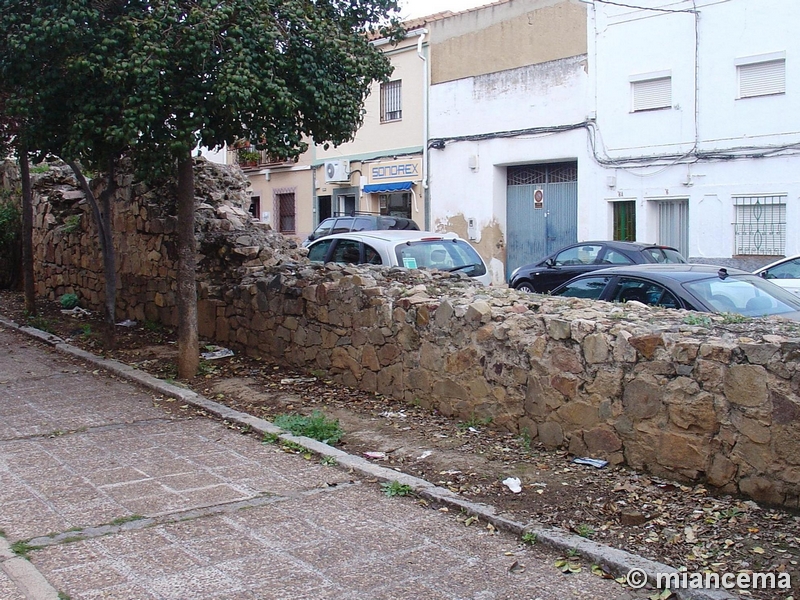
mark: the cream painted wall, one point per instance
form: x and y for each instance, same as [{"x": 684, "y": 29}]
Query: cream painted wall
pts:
[
  {"x": 299, "y": 180},
  {"x": 375, "y": 137},
  {"x": 505, "y": 36}
]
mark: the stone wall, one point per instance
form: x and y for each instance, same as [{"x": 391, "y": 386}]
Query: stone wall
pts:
[{"x": 682, "y": 395}]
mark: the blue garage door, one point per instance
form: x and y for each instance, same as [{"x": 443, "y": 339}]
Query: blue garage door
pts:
[{"x": 542, "y": 211}]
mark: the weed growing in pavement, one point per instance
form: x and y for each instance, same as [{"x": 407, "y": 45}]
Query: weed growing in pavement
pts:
[
  {"x": 530, "y": 538},
  {"x": 270, "y": 438},
  {"x": 128, "y": 519},
  {"x": 317, "y": 426},
  {"x": 21, "y": 548},
  {"x": 585, "y": 531},
  {"x": 292, "y": 446},
  {"x": 63, "y": 596},
  {"x": 329, "y": 461},
  {"x": 701, "y": 320},
  {"x": 395, "y": 488},
  {"x": 573, "y": 553}
]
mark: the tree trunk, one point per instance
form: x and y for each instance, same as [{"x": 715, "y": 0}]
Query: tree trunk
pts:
[
  {"x": 103, "y": 219},
  {"x": 27, "y": 233},
  {"x": 188, "y": 343}
]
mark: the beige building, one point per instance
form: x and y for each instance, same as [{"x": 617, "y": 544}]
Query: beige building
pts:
[{"x": 381, "y": 171}]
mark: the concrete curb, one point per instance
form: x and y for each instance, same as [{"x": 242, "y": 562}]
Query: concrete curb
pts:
[
  {"x": 618, "y": 562},
  {"x": 30, "y": 582}
]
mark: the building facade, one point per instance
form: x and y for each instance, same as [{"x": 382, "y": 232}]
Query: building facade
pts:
[{"x": 658, "y": 121}]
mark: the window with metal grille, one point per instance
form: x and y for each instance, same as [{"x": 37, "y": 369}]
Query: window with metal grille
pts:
[
  {"x": 624, "y": 221},
  {"x": 651, "y": 94},
  {"x": 543, "y": 173},
  {"x": 761, "y": 78},
  {"x": 286, "y": 212},
  {"x": 391, "y": 101},
  {"x": 760, "y": 226}
]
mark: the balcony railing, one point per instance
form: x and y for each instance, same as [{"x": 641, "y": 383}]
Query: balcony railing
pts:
[{"x": 249, "y": 157}]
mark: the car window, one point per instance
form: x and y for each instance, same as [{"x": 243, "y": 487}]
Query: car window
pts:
[
  {"x": 664, "y": 255},
  {"x": 747, "y": 295},
  {"x": 612, "y": 257},
  {"x": 585, "y": 287},
  {"x": 324, "y": 228},
  {"x": 317, "y": 252},
  {"x": 788, "y": 270},
  {"x": 645, "y": 292},
  {"x": 346, "y": 252},
  {"x": 371, "y": 255},
  {"x": 445, "y": 255},
  {"x": 362, "y": 224},
  {"x": 578, "y": 255},
  {"x": 343, "y": 225}
]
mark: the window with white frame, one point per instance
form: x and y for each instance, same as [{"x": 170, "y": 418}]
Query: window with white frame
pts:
[
  {"x": 651, "y": 92},
  {"x": 760, "y": 226},
  {"x": 391, "y": 101},
  {"x": 761, "y": 75}
]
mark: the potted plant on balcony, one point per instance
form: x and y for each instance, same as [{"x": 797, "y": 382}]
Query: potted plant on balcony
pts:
[{"x": 248, "y": 157}]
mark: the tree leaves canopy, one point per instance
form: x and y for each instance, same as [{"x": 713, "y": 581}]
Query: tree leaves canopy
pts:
[{"x": 160, "y": 76}]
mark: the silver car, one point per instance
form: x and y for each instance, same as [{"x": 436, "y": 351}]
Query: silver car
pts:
[
  {"x": 409, "y": 249},
  {"x": 784, "y": 272}
]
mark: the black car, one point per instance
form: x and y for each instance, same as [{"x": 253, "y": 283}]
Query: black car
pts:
[
  {"x": 564, "y": 264},
  {"x": 360, "y": 222},
  {"x": 704, "y": 288}
]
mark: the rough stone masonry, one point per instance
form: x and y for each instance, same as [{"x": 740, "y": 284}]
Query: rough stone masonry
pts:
[{"x": 695, "y": 398}]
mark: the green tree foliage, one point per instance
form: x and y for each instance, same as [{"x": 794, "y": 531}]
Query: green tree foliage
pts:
[{"x": 154, "y": 78}]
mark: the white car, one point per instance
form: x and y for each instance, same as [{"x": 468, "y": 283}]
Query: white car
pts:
[
  {"x": 784, "y": 272},
  {"x": 409, "y": 249}
]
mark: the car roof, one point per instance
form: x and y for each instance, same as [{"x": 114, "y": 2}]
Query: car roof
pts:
[
  {"x": 390, "y": 235},
  {"x": 673, "y": 271},
  {"x": 776, "y": 263},
  {"x": 621, "y": 245}
]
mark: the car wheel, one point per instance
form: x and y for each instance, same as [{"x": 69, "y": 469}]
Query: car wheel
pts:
[{"x": 525, "y": 286}]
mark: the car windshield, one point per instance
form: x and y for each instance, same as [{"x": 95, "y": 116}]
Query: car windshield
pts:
[
  {"x": 665, "y": 255},
  {"x": 748, "y": 295},
  {"x": 442, "y": 254}
]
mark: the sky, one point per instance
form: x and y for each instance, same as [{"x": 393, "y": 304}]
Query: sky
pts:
[{"x": 412, "y": 9}]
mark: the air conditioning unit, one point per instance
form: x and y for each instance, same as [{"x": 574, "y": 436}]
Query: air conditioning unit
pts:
[{"x": 337, "y": 170}]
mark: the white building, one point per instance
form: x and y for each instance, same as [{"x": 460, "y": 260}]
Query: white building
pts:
[{"x": 663, "y": 121}]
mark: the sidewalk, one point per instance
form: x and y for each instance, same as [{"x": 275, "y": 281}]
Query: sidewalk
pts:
[{"x": 114, "y": 496}]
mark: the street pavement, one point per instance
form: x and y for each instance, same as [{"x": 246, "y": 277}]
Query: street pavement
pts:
[{"x": 108, "y": 491}]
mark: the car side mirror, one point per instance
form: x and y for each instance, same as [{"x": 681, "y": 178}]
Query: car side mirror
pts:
[
  {"x": 551, "y": 262},
  {"x": 764, "y": 274}
]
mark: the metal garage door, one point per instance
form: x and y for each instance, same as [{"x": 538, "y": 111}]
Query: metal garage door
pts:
[{"x": 542, "y": 211}]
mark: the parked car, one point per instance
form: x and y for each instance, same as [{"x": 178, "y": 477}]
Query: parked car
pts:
[
  {"x": 584, "y": 257},
  {"x": 409, "y": 249},
  {"x": 784, "y": 272},
  {"x": 359, "y": 222},
  {"x": 704, "y": 288}
]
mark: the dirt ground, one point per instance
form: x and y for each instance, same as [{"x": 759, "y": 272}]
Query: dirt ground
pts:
[{"x": 684, "y": 526}]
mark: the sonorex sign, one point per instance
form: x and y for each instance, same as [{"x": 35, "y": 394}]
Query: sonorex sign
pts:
[{"x": 396, "y": 170}]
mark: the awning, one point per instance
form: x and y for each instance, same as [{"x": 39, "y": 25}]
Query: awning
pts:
[{"x": 385, "y": 188}]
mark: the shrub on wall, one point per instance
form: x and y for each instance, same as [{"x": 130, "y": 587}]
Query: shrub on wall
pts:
[{"x": 10, "y": 242}]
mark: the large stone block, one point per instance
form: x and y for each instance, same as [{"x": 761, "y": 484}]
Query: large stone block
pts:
[
  {"x": 746, "y": 385},
  {"x": 643, "y": 398}
]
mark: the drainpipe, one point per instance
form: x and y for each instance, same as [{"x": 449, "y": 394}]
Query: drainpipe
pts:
[{"x": 425, "y": 87}]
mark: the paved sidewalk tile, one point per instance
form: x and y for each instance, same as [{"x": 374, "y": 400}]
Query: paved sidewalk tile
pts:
[{"x": 122, "y": 500}]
